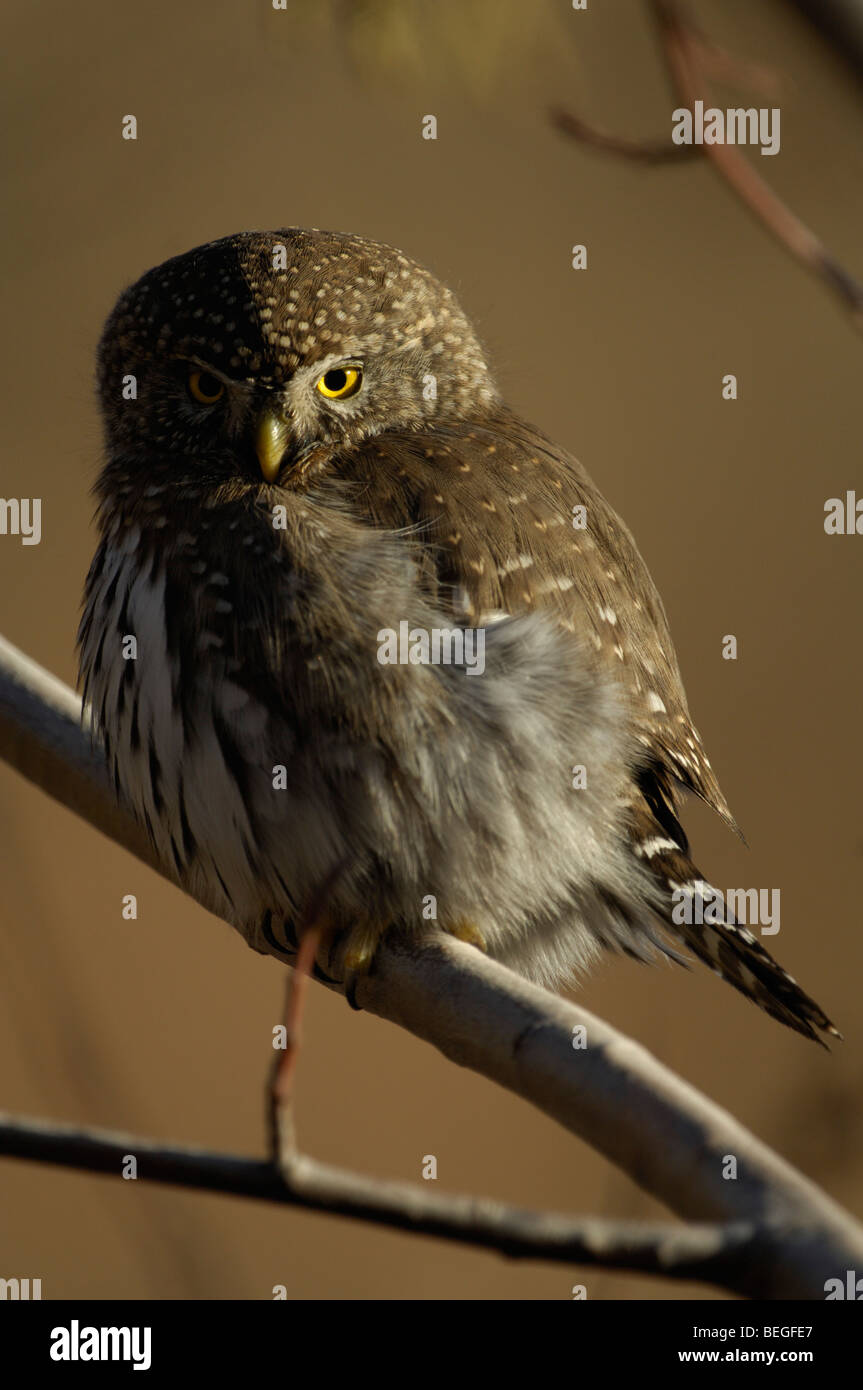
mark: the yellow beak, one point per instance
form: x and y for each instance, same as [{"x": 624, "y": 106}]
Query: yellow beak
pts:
[{"x": 272, "y": 436}]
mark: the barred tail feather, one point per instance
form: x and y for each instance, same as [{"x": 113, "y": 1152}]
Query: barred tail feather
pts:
[
  {"x": 730, "y": 949},
  {"x": 726, "y": 945}
]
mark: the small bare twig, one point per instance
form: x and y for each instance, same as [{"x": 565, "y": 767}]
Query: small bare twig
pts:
[
  {"x": 660, "y": 151},
  {"x": 283, "y": 1134},
  {"x": 717, "y": 1254},
  {"x": 682, "y": 54},
  {"x": 690, "y": 57}
]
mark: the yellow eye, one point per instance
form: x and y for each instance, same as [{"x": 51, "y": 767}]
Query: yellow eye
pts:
[
  {"x": 204, "y": 388},
  {"x": 340, "y": 382}
]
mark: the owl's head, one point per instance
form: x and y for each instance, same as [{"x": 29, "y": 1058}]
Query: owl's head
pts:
[{"x": 271, "y": 353}]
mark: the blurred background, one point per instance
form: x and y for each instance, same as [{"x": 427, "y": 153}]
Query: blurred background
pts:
[{"x": 255, "y": 118}]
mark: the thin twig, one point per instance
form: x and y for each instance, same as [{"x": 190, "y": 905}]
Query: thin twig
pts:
[
  {"x": 690, "y": 57},
  {"x": 707, "y": 1252},
  {"x": 660, "y": 151},
  {"x": 283, "y": 1136},
  {"x": 682, "y": 54}
]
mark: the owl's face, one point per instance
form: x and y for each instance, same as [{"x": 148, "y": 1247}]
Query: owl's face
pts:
[{"x": 267, "y": 356}]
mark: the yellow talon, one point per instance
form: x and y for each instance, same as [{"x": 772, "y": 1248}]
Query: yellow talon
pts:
[
  {"x": 363, "y": 941},
  {"x": 464, "y": 930},
  {"x": 359, "y": 956}
]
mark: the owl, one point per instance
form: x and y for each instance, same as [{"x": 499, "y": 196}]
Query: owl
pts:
[{"x": 357, "y": 634}]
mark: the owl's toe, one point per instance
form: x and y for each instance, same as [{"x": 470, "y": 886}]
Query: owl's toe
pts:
[
  {"x": 465, "y": 930},
  {"x": 359, "y": 956}
]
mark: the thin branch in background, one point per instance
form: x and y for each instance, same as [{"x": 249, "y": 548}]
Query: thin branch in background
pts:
[
  {"x": 689, "y": 57},
  {"x": 770, "y": 1233},
  {"x": 283, "y": 1136},
  {"x": 660, "y": 151},
  {"x": 713, "y": 1253},
  {"x": 683, "y": 57},
  {"x": 737, "y": 71}
]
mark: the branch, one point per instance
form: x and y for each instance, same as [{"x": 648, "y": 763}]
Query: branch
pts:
[
  {"x": 670, "y": 1139},
  {"x": 680, "y": 1252},
  {"x": 689, "y": 57},
  {"x": 660, "y": 151},
  {"x": 682, "y": 52}
]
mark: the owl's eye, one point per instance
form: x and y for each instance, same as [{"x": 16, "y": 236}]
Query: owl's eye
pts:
[
  {"x": 204, "y": 388},
  {"x": 340, "y": 382}
]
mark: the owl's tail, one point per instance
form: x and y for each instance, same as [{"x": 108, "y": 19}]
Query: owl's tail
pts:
[{"x": 698, "y": 915}]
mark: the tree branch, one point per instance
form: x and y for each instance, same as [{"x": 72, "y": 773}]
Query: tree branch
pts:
[
  {"x": 689, "y": 57},
  {"x": 682, "y": 50},
  {"x": 660, "y": 151},
  {"x": 680, "y": 1252},
  {"x": 670, "y": 1139}
]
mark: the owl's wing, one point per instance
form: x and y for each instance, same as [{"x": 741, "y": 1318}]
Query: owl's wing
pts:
[
  {"x": 504, "y": 521},
  {"x": 510, "y": 523}
]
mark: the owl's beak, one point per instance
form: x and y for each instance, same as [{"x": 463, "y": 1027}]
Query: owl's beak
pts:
[{"x": 272, "y": 436}]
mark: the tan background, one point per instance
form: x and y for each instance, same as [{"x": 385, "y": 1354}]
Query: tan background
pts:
[{"x": 253, "y": 119}]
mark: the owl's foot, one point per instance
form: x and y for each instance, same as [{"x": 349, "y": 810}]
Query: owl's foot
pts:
[
  {"x": 465, "y": 930},
  {"x": 365, "y": 938},
  {"x": 360, "y": 953}
]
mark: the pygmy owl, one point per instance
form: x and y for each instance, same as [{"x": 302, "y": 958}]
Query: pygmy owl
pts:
[{"x": 353, "y": 628}]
